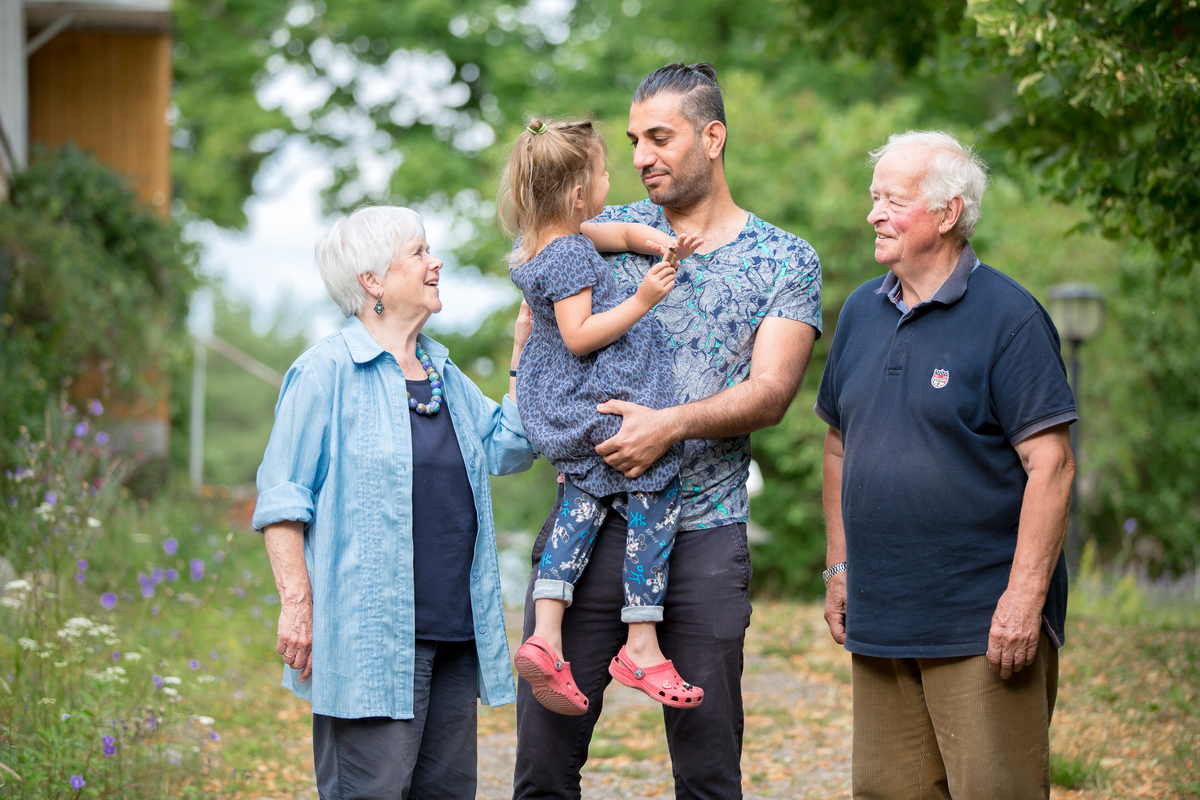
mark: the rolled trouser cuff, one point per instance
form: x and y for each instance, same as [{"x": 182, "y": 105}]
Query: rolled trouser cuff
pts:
[
  {"x": 547, "y": 589},
  {"x": 641, "y": 614}
]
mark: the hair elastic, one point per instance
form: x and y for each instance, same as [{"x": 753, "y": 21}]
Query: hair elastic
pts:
[{"x": 545, "y": 127}]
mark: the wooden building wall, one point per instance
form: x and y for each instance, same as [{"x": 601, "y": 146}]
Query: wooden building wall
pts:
[{"x": 107, "y": 92}]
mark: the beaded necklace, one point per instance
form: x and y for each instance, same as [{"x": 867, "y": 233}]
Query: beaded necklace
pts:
[{"x": 435, "y": 385}]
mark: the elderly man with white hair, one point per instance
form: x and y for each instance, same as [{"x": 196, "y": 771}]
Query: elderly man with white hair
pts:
[
  {"x": 375, "y": 506},
  {"x": 947, "y": 479}
]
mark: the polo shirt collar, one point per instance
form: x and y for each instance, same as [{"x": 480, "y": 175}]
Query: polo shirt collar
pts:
[
  {"x": 364, "y": 348},
  {"x": 949, "y": 293}
]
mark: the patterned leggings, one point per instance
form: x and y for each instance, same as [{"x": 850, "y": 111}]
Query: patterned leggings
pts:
[{"x": 653, "y": 519}]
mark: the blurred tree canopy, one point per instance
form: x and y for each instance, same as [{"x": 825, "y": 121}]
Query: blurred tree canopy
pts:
[{"x": 413, "y": 103}]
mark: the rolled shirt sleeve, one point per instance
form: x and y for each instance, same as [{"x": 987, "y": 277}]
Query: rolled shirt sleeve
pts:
[{"x": 297, "y": 455}]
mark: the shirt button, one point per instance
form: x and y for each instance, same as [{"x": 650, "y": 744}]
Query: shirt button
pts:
[
  {"x": 472, "y": 463},
  {"x": 475, "y": 574},
  {"x": 483, "y": 628}
]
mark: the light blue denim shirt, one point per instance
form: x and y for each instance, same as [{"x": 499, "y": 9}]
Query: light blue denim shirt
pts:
[{"x": 340, "y": 461}]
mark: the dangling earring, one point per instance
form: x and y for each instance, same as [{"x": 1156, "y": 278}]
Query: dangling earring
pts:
[{"x": 379, "y": 303}]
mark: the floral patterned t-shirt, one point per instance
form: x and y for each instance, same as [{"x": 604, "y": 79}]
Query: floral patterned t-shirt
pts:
[{"x": 709, "y": 320}]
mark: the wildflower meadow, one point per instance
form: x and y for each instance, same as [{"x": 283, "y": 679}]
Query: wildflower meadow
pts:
[{"x": 120, "y": 646}]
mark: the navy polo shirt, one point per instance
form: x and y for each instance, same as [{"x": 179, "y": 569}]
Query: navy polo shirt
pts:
[{"x": 930, "y": 402}]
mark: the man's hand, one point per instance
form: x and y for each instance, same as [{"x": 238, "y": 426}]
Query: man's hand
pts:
[
  {"x": 1013, "y": 639},
  {"x": 642, "y": 440},
  {"x": 295, "y": 635},
  {"x": 835, "y": 607}
]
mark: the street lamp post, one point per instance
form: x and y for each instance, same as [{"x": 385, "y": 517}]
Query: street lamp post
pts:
[{"x": 1078, "y": 313}]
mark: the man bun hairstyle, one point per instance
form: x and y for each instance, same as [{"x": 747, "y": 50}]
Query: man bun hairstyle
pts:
[
  {"x": 701, "y": 101},
  {"x": 955, "y": 170},
  {"x": 548, "y": 160}
]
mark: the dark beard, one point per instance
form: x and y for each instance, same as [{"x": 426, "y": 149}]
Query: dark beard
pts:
[{"x": 690, "y": 184}]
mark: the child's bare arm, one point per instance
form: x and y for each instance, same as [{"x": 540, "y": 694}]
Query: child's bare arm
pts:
[
  {"x": 584, "y": 332},
  {"x": 633, "y": 237}
]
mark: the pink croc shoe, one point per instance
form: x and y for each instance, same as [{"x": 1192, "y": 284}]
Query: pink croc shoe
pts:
[
  {"x": 661, "y": 682},
  {"x": 550, "y": 677}
]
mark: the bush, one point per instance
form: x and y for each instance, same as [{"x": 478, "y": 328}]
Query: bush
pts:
[{"x": 89, "y": 275}]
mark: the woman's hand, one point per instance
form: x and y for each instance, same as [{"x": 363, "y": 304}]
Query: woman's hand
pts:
[
  {"x": 285, "y": 548},
  {"x": 294, "y": 640},
  {"x": 521, "y": 331}
]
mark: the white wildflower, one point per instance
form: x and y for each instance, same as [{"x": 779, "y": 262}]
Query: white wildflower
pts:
[
  {"x": 76, "y": 628},
  {"x": 47, "y": 701},
  {"x": 17, "y": 586},
  {"x": 171, "y": 680},
  {"x": 44, "y": 511},
  {"x": 207, "y": 679},
  {"x": 132, "y": 656},
  {"x": 10, "y": 602},
  {"x": 27, "y": 644},
  {"x": 92, "y": 522},
  {"x": 206, "y": 721},
  {"x": 112, "y": 675},
  {"x": 169, "y": 692}
]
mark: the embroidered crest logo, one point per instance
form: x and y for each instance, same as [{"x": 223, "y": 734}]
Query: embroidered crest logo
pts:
[{"x": 940, "y": 378}]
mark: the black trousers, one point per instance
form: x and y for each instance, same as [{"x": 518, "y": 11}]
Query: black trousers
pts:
[
  {"x": 429, "y": 757},
  {"x": 706, "y": 613}
]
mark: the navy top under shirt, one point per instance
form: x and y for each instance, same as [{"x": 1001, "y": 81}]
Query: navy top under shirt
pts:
[
  {"x": 444, "y": 526},
  {"x": 930, "y": 402}
]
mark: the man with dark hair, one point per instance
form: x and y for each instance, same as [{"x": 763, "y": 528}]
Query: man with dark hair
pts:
[{"x": 740, "y": 325}]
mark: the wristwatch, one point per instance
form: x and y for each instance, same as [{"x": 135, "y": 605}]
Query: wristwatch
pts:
[{"x": 834, "y": 570}]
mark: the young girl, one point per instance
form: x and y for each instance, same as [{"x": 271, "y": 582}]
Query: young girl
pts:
[{"x": 589, "y": 345}]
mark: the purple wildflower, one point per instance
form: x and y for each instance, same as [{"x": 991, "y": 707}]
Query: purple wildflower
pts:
[
  {"x": 197, "y": 566},
  {"x": 157, "y": 576},
  {"x": 77, "y": 782},
  {"x": 81, "y": 429},
  {"x": 194, "y": 664},
  {"x": 66, "y": 717},
  {"x": 51, "y": 498},
  {"x": 152, "y": 722},
  {"x": 213, "y": 655},
  {"x": 95, "y": 407},
  {"x": 81, "y": 565},
  {"x": 216, "y": 737},
  {"x": 80, "y": 577},
  {"x": 110, "y": 746},
  {"x": 147, "y": 585},
  {"x": 108, "y": 600},
  {"x": 116, "y": 655},
  {"x": 170, "y": 546},
  {"x": 158, "y": 682},
  {"x": 238, "y": 694},
  {"x": 101, "y": 438},
  {"x": 171, "y": 575},
  {"x": 1130, "y": 525}
]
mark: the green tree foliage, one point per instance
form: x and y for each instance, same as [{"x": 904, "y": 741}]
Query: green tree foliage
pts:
[
  {"x": 221, "y": 133},
  {"x": 88, "y": 275}
]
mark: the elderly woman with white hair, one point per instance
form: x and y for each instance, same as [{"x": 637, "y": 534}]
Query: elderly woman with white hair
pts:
[{"x": 375, "y": 508}]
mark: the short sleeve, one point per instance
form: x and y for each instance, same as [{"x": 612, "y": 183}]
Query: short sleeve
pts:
[
  {"x": 1030, "y": 392},
  {"x": 296, "y": 460},
  {"x": 799, "y": 296},
  {"x": 827, "y": 393},
  {"x": 573, "y": 265}
]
